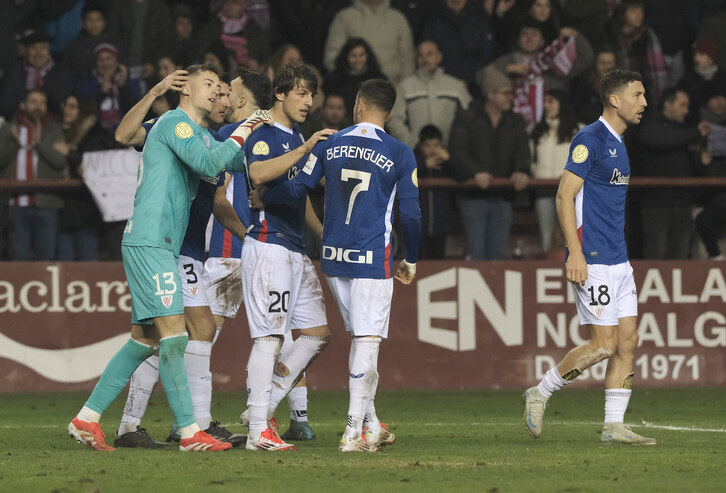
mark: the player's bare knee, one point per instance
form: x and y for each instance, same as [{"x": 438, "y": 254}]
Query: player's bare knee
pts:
[{"x": 628, "y": 343}]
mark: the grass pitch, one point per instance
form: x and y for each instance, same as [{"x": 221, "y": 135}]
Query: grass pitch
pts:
[{"x": 447, "y": 441}]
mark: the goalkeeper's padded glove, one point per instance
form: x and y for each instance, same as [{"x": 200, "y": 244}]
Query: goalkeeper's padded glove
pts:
[{"x": 252, "y": 123}]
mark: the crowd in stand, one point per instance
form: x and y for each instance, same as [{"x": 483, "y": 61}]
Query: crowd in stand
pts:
[{"x": 486, "y": 89}]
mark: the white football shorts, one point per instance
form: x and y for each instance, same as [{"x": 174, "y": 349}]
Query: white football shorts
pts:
[
  {"x": 224, "y": 285},
  {"x": 281, "y": 290},
  {"x": 609, "y": 294},
  {"x": 365, "y": 304},
  {"x": 194, "y": 282}
]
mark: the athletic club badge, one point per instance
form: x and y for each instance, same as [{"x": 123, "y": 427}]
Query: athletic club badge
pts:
[{"x": 166, "y": 300}]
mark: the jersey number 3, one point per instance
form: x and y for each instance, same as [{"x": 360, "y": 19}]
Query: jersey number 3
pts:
[{"x": 365, "y": 180}]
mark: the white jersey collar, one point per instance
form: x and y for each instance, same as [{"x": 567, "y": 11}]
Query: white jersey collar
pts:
[
  {"x": 283, "y": 128},
  {"x": 611, "y": 129}
]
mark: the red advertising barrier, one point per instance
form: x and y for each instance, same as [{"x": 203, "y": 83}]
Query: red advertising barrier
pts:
[{"x": 461, "y": 325}]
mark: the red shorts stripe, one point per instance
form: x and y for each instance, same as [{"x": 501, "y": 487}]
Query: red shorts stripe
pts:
[
  {"x": 387, "y": 263},
  {"x": 262, "y": 235},
  {"x": 227, "y": 244}
]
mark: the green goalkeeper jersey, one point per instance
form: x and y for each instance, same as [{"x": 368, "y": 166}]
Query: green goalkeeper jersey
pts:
[{"x": 176, "y": 154}]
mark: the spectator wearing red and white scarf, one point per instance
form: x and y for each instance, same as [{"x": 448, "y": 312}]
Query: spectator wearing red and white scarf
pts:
[
  {"x": 535, "y": 67},
  {"x": 36, "y": 69},
  {"x": 30, "y": 148},
  {"x": 111, "y": 87}
]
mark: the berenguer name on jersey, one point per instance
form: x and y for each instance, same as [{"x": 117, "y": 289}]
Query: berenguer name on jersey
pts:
[{"x": 355, "y": 152}]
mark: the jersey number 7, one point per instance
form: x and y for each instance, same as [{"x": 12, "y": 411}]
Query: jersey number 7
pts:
[{"x": 365, "y": 180}]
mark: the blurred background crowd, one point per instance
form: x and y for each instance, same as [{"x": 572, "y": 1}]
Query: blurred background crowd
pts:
[{"x": 486, "y": 89}]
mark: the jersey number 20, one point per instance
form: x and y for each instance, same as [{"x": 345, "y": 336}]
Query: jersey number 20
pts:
[{"x": 365, "y": 180}]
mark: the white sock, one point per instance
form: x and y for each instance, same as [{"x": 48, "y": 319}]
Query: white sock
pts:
[
  {"x": 89, "y": 415},
  {"x": 216, "y": 335},
  {"x": 291, "y": 364},
  {"x": 189, "y": 431},
  {"x": 616, "y": 402},
  {"x": 297, "y": 399},
  {"x": 363, "y": 381},
  {"x": 196, "y": 363},
  {"x": 259, "y": 381},
  {"x": 141, "y": 386},
  {"x": 551, "y": 382},
  {"x": 371, "y": 419}
]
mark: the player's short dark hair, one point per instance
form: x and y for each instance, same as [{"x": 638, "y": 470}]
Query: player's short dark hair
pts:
[
  {"x": 430, "y": 132},
  {"x": 260, "y": 87},
  {"x": 379, "y": 93},
  {"x": 225, "y": 77},
  {"x": 201, "y": 67},
  {"x": 293, "y": 75},
  {"x": 615, "y": 81}
]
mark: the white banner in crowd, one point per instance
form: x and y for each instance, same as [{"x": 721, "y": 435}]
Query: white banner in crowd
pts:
[{"x": 111, "y": 178}]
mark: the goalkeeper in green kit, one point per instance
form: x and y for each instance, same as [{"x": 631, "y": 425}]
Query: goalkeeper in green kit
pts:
[{"x": 178, "y": 151}]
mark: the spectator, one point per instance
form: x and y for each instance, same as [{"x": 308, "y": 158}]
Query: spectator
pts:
[
  {"x": 666, "y": 212},
  {"x": 186, "y": 45},
  {"x": 331, "y": 115},
  {"x": 705, "y": 77},
  {"x": 217, "y": 55},
  {"x": 640, "y": 48},
  {"x": 465, "y": 37},
  {"x": 585, "y": 88},
  {"x": 534, "y": 67},
  {"x": 243, "y": 38},
  {"x": 548, "y": 15},
  {"x": 37, "y": 69},
  {"x": 355, "y": 63},
  {"x": 710, "y": 222},
  {"x": 29, "y": 149},
  {"x": 384, "y": 28},
  {"x": 551, "y": 140},
  {"x": 144, "y": 27},
  {"x": 166, "y": 64},
  {"x": 530, "y": 46},
  {"x": 429, "y": 97},
  {"x": 80, "y": 221},
  {"x": 434, "y": 161},
  {"x": 79, "y": 52},
  {"x": 712, "y": 27},
  {"x": 289, "y": 53},
  {"x": 110, "y": 86},
  {"x": 491, "y": 141}
]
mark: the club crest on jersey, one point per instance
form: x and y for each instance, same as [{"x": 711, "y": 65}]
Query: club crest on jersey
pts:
[
  {"x": 414, "y": 177},
  {"x": 183, "y": 130},
  {"x": 613, "y": 152},
  {"x": 619, "y": 178},
  {"x": 364, "y": 131},
  {"x": 193, "y": 290},
  {"x": 598, "y": 311},
  {"x": 261, "y": 149},
  {"x": 579, "y": 154},
  {"x": 166, "y": 300}
]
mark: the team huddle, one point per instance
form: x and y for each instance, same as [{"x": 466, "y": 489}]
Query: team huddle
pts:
[
  {"x": 188, "y": 172},
  {"x": 252, "y": 177}
]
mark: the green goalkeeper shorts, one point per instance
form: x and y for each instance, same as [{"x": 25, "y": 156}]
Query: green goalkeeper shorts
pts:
[{"x": 154, "y": 283}]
